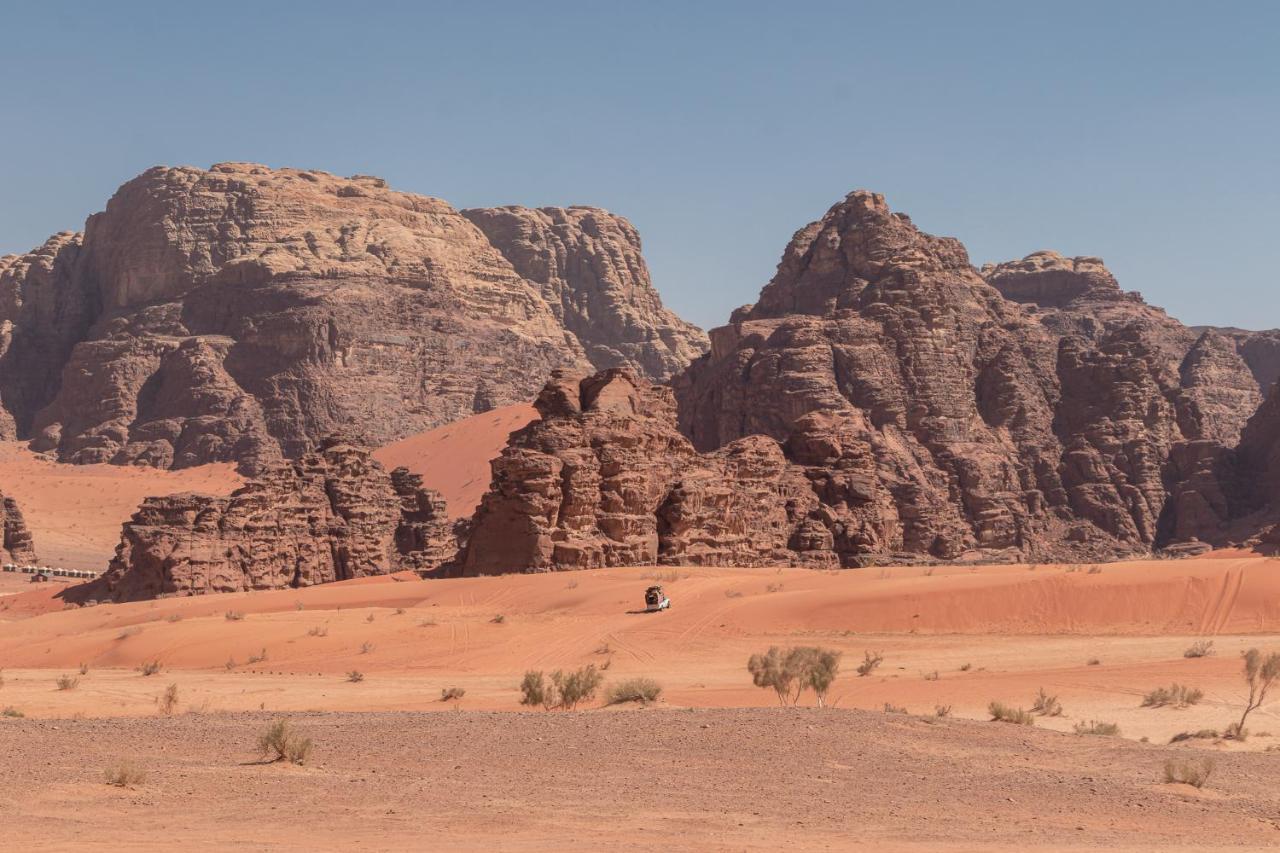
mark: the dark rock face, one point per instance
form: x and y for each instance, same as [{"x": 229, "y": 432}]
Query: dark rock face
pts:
[
  {"x": 588, "y": 265},
  {"x": 242, "y": 313},
  {"x": 17, "y": 545},
  {"x": 331, "y": 515}
]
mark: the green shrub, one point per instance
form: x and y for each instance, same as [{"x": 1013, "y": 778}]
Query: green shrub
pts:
[
  {"x": 642, "y": 690},
  {"x": 1177, "y": 695},
  {"x": 1005, "y": 714},
  {"x": 1096, "y": 727}
]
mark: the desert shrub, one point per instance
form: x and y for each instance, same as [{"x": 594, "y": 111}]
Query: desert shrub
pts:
[
  {"x": 355, "y": 676},
  {"x": 11, "y": 711},
  {"x": 234, "y": 615},
  {"x": 1046, "y": 705},
  {"x": 773, "y": 587},
  {"x": 642, "y": 690},
  {"x": 84, "y": 669},
  {"x": 1093, "y": 662},
  {"x": 498, "y": 619},
  {"x": 733, "y": 593},
  {"x": 1199, "y": 649},
  {"x": 150, "y": 667},
  {"x": 870, "y": 660},
  {"x": 365, "y": 648},
  {"x": 576, "y": 686},
  {"x": 281, "y": 743},
  {"x": 425, "y": 623},
  {"x": 369, "y": 618},
  {"x": 816, "y": 669},
  {"x": 1096, "y": 727},
  {"x": 173, "y": 617},
  {"x": 1235, "y": 731},
  {"x": 124, "y": 775},
  {"x": 231, "y": 664},
  {"x": 573, "y": 584},
  {"x": 932, "y": 676},
  {"x": 942, "y": 710},
  {"x": 1001, "y": 712},
  {"x": 319, "y": 631},
  {"x": 1177, "y": 695},
  {"x": 1260, "y": 673},
  {"x": 399, "y": 611},
  {"x": 452, "y": 694},
  {"x": 603, "y": 649},
  {"x": 1095, "y": 569},
  {"x": 770, "y": 670},
  {"x": 67, "y": 682},
  {"x": 1195, "y": 773},
  {"x": 1200, "y": 734},
  {"x": 167, "y": 702},
  {"x": 890, "y": 708},
  {"x": 965, "y": 667},
  {"x": 129, "y": 632},
  {"x": 666, "y": 576},
  {"x": 535, "y": 690}
]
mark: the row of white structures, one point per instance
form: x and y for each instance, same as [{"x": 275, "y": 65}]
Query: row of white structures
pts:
[{"x": 48, "y": 570}]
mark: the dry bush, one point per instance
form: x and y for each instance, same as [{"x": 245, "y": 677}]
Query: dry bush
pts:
[
  {"x": 1095, "y": 569},
  {"x": 258, "y": 658},
  {"x": 129, "y": 632},
  {"x": 1073, "y": 567},
  {"x": 452, "y": 694},
  {"x": 1001, "y": 712},
  {"x": 67, "y": 682},
  {"x": 173, "y": 617},
  {"x": 231, "y": 664},
  {"x": 84, "y": 669},
  {"x": 1046, "y": 705},
  {"x": 1199, "y": 649},
  {"x": 1177, "y": 695},
  {"x": 666, "y": 576},
  {"x": 603, "y": 649},
  {"x": 281, "y": 743},
  {"x": 791, "y": 671},
  {"x": 890, "y": 708},
  {"x": 427, "y": 623},
  {"x": 124, "y": 775},
  {"x": 365, "y": 648},
  {"x": 150, "y": 667},
  {"x": 564, "y": 690},
  {"x": 399, "y": 611},
  {"x": 1096, "y": 727},
  {"x": 167, "y": 702},
  {"x": 355, "y": 676},
  {"x": 1235, "y": 731},
  {"x": 642, "y": 690},
  {"x": 965, "y": 667},
  {"x": 1093, "y": 662},
  {"x": 733, "y": 593},
  {"x": 499, "y": 619},
  {"x": 932, "y": 676},
  {"x": 319, "y": 631},
  {"x": 942, "y": 710},
  {"x": 1260, "y": 673},
  {"x": 11, "y": 711},
  {"x": 773, "y": 587},
  {"x": 1200, "y": 734},
  {"x": 573, "y": 584},
  {"x": 234, "y": 615},
  {"x": 1194, "y": 773},
  {"x": 535, "y": 690},
  {"x": 870, "y": 660}
]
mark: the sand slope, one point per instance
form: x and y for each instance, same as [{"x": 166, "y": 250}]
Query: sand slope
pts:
[{"x": 454, "y": 458}]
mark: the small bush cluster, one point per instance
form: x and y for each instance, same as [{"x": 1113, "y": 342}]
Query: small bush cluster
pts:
[
  {"x": 281, "y": 743},
  {"x": 789, "y": 672},
  {"x": 167, "y": 702},
  {"x": 11, "y": 711},
  {"x": 1199, "y": 649},
  {"x": 150, "y": 667},
  {"x": 124, "y": 775},
  {"x": 355, "y": 676},
  {"x": 452, "y": 694},
  {"x": 67, "y": 682},
  {"x": 1096, "y": 727},
  {"x": 1175, "y": 695},
  {"x": 1199, "y": 734},
  {"x": 234, "y": 615},
  {"x": 565, "y": 690},
  {"x": 1002, "y": 713},
  {"x": 870, "y": 660},
  {"x": 319, "y": 631},
  {"x": 1194, "y": 773},
  {"x": 642, "y": 690},
  {"x": 890, "y": 708},
  {"x": 1046, "y": 705}
]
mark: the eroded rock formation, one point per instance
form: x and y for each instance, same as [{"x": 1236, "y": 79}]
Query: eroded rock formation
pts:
[
  {"x": 16, "y": 543},
  {"x": 242, "y": 313},
  {"x": 330, "y": 515}
]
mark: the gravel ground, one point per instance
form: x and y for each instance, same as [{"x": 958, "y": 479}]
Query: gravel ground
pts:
[{"x": 648, "y": 779}]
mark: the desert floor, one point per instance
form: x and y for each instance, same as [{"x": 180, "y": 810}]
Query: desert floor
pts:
[{"x": 715, "y": 764}]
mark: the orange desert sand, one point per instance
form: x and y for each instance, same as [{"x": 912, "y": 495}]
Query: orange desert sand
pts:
[{"x": 699, "y": 769}]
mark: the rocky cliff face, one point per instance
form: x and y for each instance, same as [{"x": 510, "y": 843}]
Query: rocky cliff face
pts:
[
  {"x": 332, "y": 514},
  {"x": 16, "y": 543},
  {"x": 588, "y": 266},
  {"x": 241, "y": 313}
]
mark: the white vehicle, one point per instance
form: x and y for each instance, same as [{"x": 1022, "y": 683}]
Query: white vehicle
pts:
[{"x": 655, "y": 599}]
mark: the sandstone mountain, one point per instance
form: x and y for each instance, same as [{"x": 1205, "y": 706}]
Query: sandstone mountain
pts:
[
  {"x": 333, "y": 514},
  {"x": 242, "y": 313},
  {"x": 16, "y": 543},
  {"x": 884, "y": 400}
]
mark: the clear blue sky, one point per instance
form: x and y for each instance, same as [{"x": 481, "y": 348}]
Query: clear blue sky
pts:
[{"x": 1146, "y": 133}]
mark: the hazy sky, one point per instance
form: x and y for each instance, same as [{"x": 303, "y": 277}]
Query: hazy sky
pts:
[{"x": 1146, "y": 133}]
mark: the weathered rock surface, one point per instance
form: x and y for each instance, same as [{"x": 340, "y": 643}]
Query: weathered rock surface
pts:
[
  {"x": 588, "y": 265},
  {"x": 17, "y": 545},
  {"x": 242, "y": 313},
  {"x": 332, "y": 514}
]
